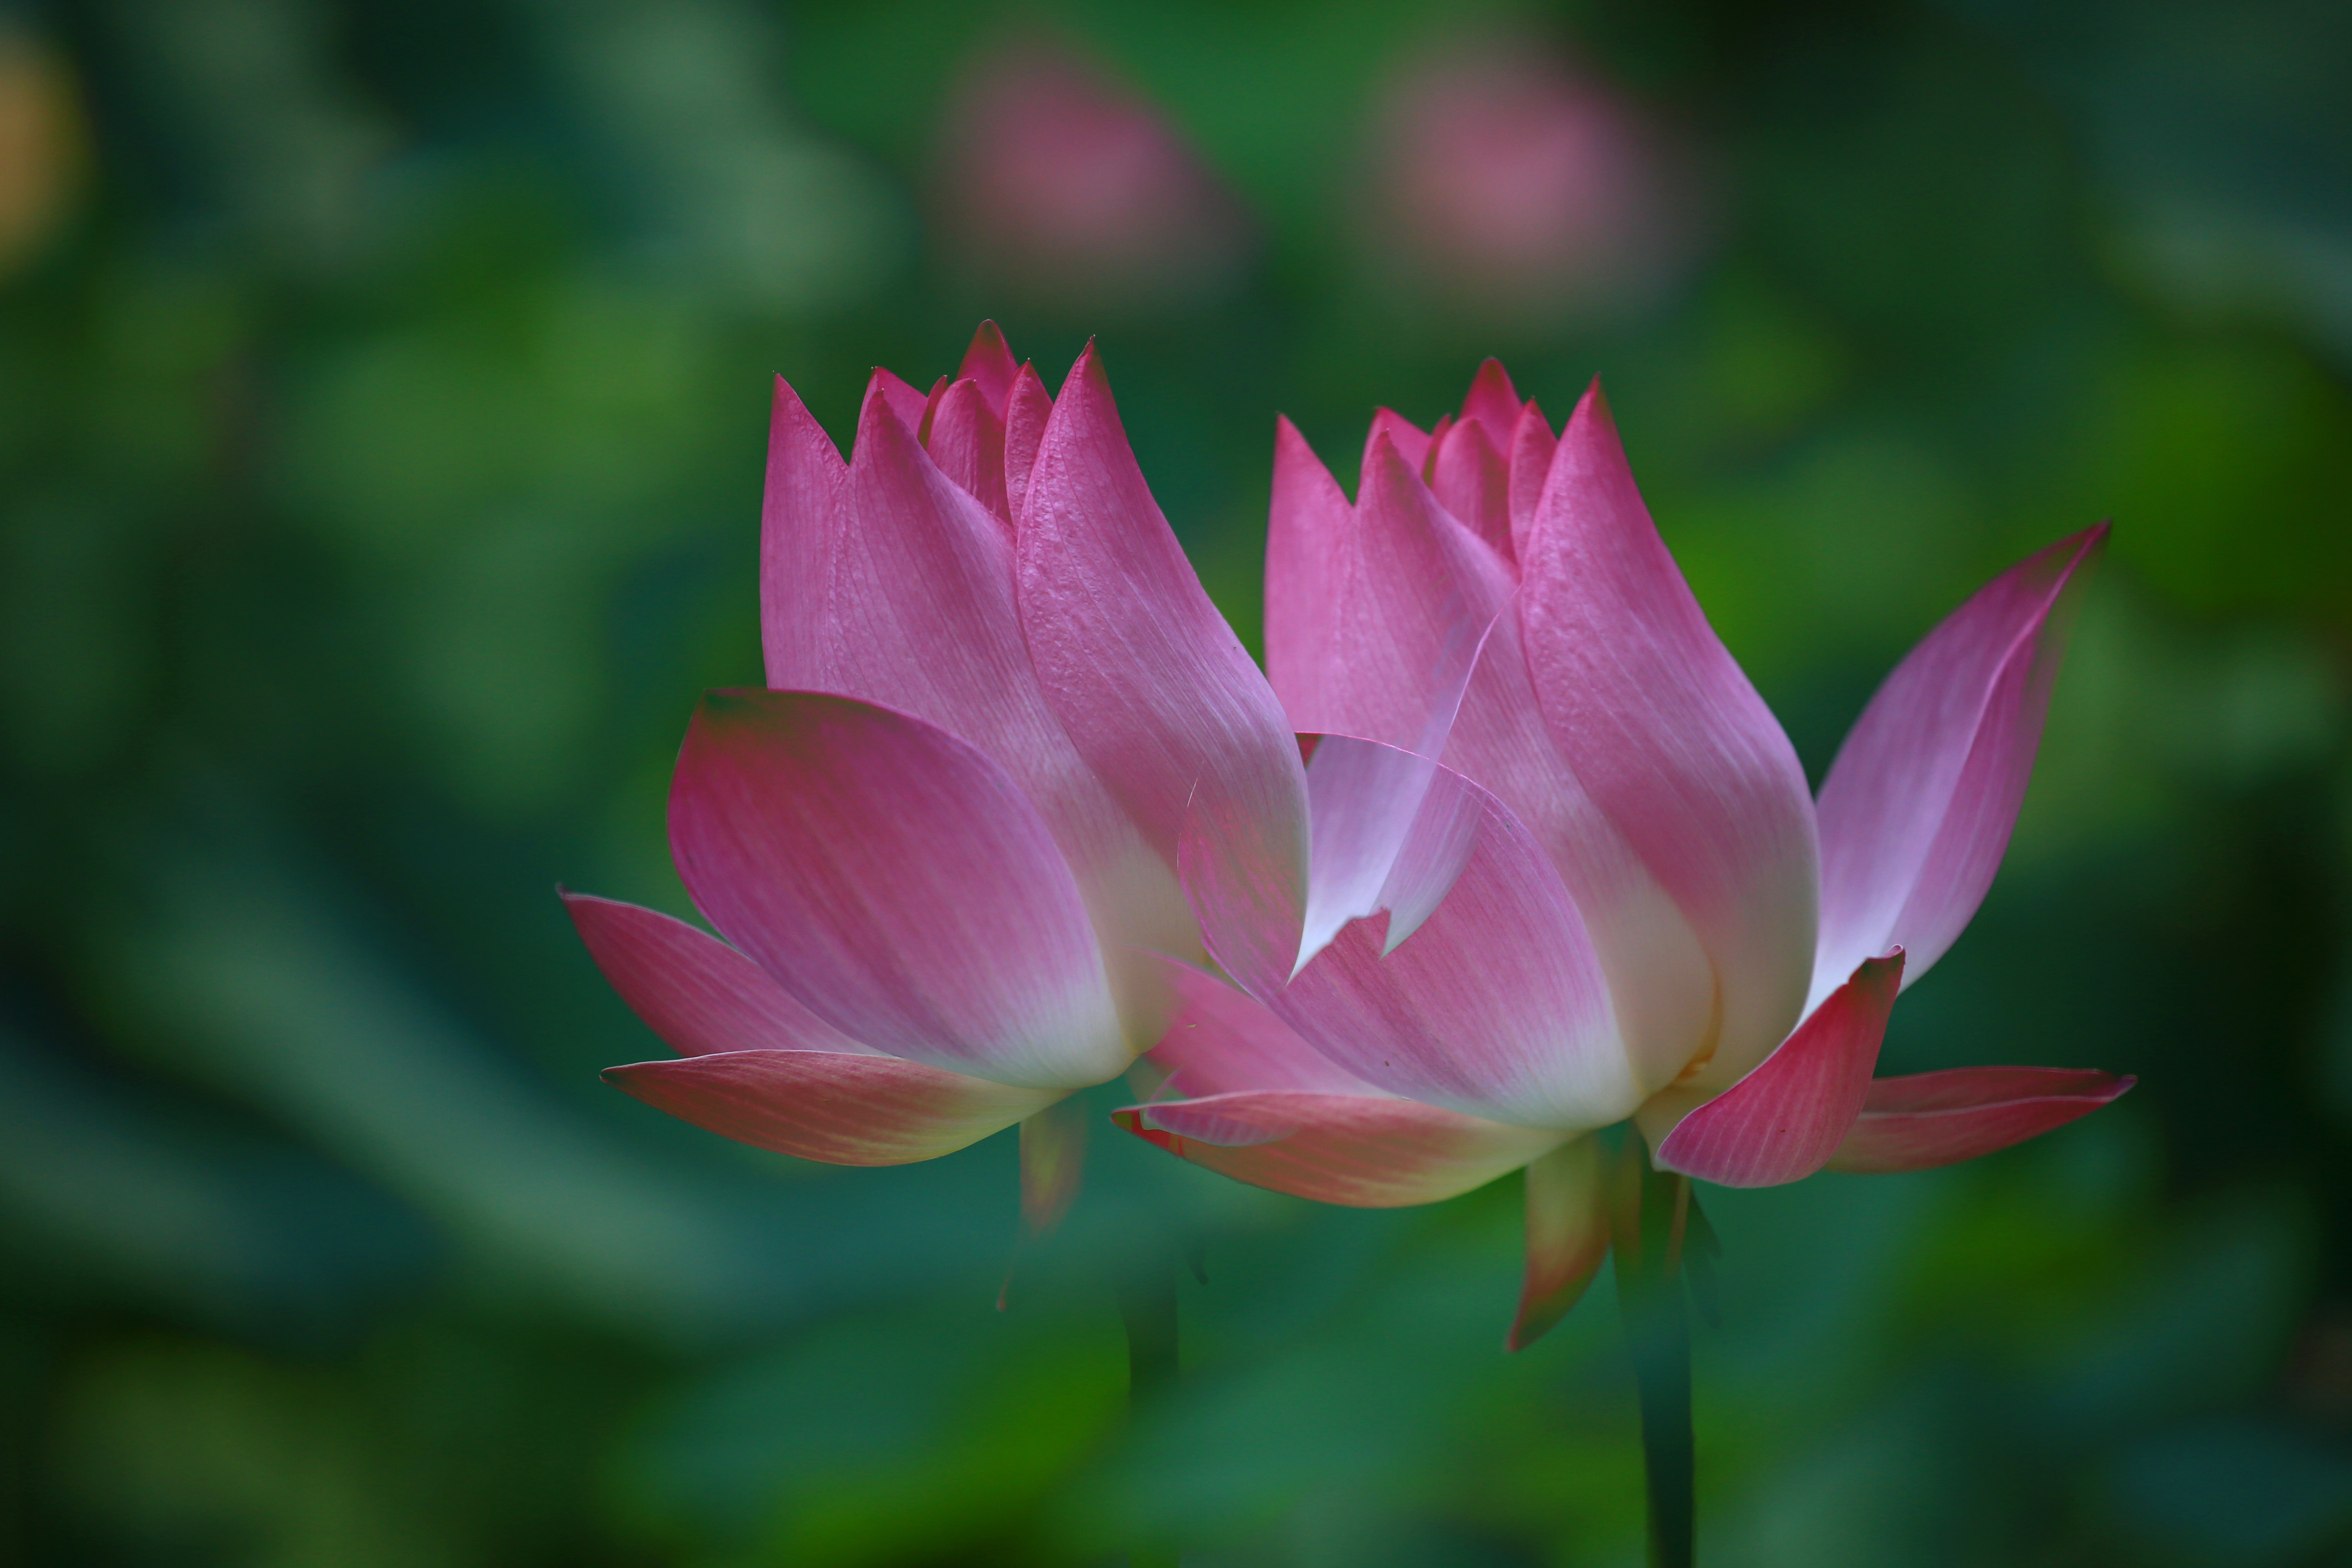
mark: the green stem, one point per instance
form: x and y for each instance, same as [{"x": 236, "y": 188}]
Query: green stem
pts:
[
  {"x": 1146, "y": 1305},
  {"x": 1649, "y": 1219}
]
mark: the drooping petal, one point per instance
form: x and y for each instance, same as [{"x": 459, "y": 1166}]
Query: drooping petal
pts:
[
  {"x": 697, "y": 992},
  {"x": 1668, "y": 739},
  {"x": 1150, "y": 683},
  {"x": 1027, "y": 408},
  {"x": 1472, "y": 483},
  {"x": 1305, "y": 554},
  {"x": 1411, "y": 438},
  {"x": 1531, "y": 449},
  {"x": 1053, "y": 1159},
  {"x": 1568, "y": 1236},
  {"x": 1917, "y": 808},
  {"x": 842, "y": 1107},
  {"x": 797, "y": 524},
  {"x": 897, "y": 882},
  {"x": 967, "y": 443},
  {"x": 1925, "y": 1119},
  {"x": 990, "y": 362},
  {"x": 1492, "y": 401},
  {"x": 1783, "y": 1121}
]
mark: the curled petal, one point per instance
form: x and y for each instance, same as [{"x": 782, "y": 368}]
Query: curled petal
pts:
[
  {"x": 897, "y": 882},
  {"x": 843, "y": 1109},
  {"x": 697, "y": 992},
  {"x": 1567, "y": 1236},
  {"x": 1783, "y": 1121},
  {"x": 1925, "y": 1119},
  {"x": 1669, "y": 739},
  {"x": 1917, "y": 808}
]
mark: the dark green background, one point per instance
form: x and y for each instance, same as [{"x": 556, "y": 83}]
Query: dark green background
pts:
[{"x": 382, "y": 424}]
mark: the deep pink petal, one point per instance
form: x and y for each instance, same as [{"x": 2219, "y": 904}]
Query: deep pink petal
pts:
[
  {"x": 1568, "y": 1236},
  {"x": 805, "y": 476},
  {"x": 1668, "y": 737},
  {"x": 967, "y": 443},
  {"x": 1150, "y": 683},
  {"x": 1472, "y": 483},
  {"x": 897, "y": 882},
  {"x": 1492, "y": 402},
  {"x": 1529, "y": 455},
  {"x": 1785, "y": 1119},
  {"x": 1925, "y": 1119},
  {"x": 990, "y": 362},
  {"x": 1411, "y": 438},
  {"x": 902, "y": 399},
  {"x": 697, "y": 992},
  {"x": 1306, "y": 564},
  {"x": 841, "y": 1109},
  {"x": 1917, "y": 808},
  {"x": 1356, "y": 1150},
  {"x": 1027, "y": 408}
]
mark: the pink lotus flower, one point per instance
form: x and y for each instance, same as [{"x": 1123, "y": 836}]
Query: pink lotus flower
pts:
[
  {"x": 1616, "y": 898},
  {"x": 944, "y": 841}
]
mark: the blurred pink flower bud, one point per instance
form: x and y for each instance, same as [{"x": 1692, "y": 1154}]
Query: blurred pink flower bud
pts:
[
  {"x": 1511, "y": 186},
  {"x": 1057, "y": 181}
]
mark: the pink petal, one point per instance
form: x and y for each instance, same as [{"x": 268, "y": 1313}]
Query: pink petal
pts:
[
  {"x": 1668, "y": 737},
  {"x": 841, "y": 1109},
  {"x": 1382, "y": 838},
  {"x": 1356, "y": 1150},
  {"x": 1221, "y": 1041},
  {"x": 922, "y": 427},
  {"x": 990, "y": 362},
  {"x": 1917, "y": 808},
  {"x": 897, "y": 882},
  {"x": 1150, "y": 683},
  {"x": 1530, "y": 455},
  {"x": 1052, "y": 1161},
  {"x": 1411, "y": 439},
  {"x": 1930, "y": 1118},
  {"x": 1306, "y": 544},
  {"x": 1027, "y": 408},
  {"x": 1492, "y": 402},
  {"x": 697, "y": 992},
  {"x": 1568, "y": 1236},
  {"x": 805, "y": 476},
  {"x": 902, "y": 399},
  {"x": 1472, "y": 483},
  {"x": 967, "y": 443},
  {"x": 1783, "y": 1121}
]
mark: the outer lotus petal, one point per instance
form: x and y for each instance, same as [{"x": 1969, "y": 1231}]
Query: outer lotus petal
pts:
[
  {"x": 1668, "y": 738},
  {"x": 1472, "y": 483},
  {"x": 1306, "y": 547},
  {"x": 901, "y": 398},
  {"x": 842, "y": 1107},
  {"x": 805, "y": 476},
  {"x": 1530, "y": 455},
  {"x": 967, "y": 443},
  {"x": 897, "y": 882},
  {"x": 1567, "y": 1236},
  {"x": 1221, "y": 1041},
  {"x": 697, "y": 992},
  {"x": 1917, "y": 808},
  {"x": 1783, "y": 1121},
  {"x": 1411, "y": 438},
  {"x": 1363, "y": 1152},
  {"x": 990, "y": 362},
  {"x": 1492, "y": 402},
  {"x": 1930, "y": 1119},
  {"x": 1496, "y": 1007},
  {"x": 1150, "y": 683},
  {"x": 1027, "y": 408}
]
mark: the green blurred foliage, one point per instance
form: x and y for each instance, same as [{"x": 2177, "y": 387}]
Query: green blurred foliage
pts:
[{"x": 381, "y": 403}]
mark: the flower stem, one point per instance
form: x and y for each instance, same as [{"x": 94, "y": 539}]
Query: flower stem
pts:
[
  {"x": 1648, "y": 1221},
  {"x": 1146, "y": 1305}
]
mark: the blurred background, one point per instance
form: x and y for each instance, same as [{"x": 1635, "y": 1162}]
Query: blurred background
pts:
[{"x": 382, "y": 392}]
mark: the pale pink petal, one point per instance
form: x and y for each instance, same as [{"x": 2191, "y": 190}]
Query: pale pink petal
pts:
[
  {"x": 990, "y": 362},
  {"x": 1472, "y": 483},
  {"x": 1568, "y": 1236},
  {"x": 1306, "y": 553},
  {"x": 1917, "y": 808},
  {"x": 1027, "y": 408},
  {"x": 1052, "y": 1161},
  {"x": 1492, "y": 402},
  {"x": 967, "y": 443},
  {"x": 902, "y": 399},
  {"x": 1668, "y": 739},
  {"x": 1386, "y": 834},
  {"x": 1411, "y": 438},
  {"x": 1783, "y": 1121},
  {"x": 1356, "y": 1150},
  {"x": 697, "y": 992},
  {"x": 805, "y": 476},
  {"x": 1150, "y": 683},
  {"x": 895, "y": 880},
  {"x": 1925, "y": 1119},
  {"x": 840, "y": 1108},
  {"x": 1530, "y": 455},
  {"x": 1221, "y": 1041}
]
